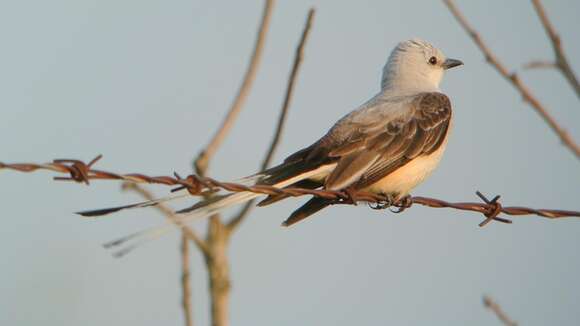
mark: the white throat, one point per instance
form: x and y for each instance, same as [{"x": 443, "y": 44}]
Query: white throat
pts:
[{"x": 401, "y": 76}]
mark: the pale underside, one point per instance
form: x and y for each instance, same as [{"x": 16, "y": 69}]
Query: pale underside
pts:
[
  {"x": 400, "y": 182},
  {"x": 389, "y": 146}
]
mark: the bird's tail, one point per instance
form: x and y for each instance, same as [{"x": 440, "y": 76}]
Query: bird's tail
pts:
[
  {"x": 312, "y": 206},
  {"x": 251, "y": 180},
  {"x": 280, "y": 176}
]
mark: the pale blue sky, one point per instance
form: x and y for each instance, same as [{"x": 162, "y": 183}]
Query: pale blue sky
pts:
[{"x": 146, "y": 82}]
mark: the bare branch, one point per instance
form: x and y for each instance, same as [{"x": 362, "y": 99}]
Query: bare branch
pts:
[
  {"x": 187, "y": 231},
  {"x": 539, "y": 64},
  {"x": 218, "y": 235},
  {"x": 235, "y": 222},
  {"x": 185, "y": 281},
  {"x": 186, "y": 234},
  {"x": 501, "y": 315},
  {"x": 202, "y": 161},
  {"x": 299, "y": 56},
  {"x": 561, "y": 59},
  {"x": 514, "y": 80},
  {"x": 218, "y": 270}
]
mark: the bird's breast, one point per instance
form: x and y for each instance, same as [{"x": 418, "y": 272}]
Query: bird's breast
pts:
[{"x": 401, "y": 181}]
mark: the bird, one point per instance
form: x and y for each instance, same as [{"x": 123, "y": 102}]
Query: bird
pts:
[{"x": 387, "y": 146}]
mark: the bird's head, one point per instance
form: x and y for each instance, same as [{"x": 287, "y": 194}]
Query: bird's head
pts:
[{"x": 416, "y": 65}]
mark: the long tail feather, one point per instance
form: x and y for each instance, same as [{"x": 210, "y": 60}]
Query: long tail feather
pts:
[
  {"x": 208, "y": 208},
  {"x": 306, "y": 183},
  {"x": 312, "y": 206},
  {"x": 211, "y": 208},
  {"x": 149, "y": 203},
  {"x": 250, "y": 180}
]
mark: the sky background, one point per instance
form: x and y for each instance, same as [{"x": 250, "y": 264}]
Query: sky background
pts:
[{"x": 146, "y": 82}]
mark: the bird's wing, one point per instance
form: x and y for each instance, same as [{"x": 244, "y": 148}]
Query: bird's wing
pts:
[
  {"x": 352, "y": 131},
  {"x": 369, "y": 151}
]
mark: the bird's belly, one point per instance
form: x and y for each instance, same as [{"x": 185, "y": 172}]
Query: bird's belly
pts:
[{"x": 401, "y": 181}]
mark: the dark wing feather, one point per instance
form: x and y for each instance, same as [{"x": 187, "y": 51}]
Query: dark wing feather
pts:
[
  {"x": 350, "y": 168},
  {"x": 312, "y": 206},
  {"x": 367, "y": 151},
  {"x": 421, "y": 134}
]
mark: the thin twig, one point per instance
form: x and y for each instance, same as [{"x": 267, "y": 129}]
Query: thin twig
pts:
[
  {"x": 187, "y": 231},
  {"x": 201, "y": 163},
  {"x": 496, "y": 308},
  {"x": 216, "y": 259},
  {"x": 561, "y": 61},
  {"x": 185, "y": 281},
  {"x": 299, "y": 55},
  {"x": 298, "y": 58},
  {"x": 186, "y": 234},
  {"x": 218, "y": 270},
  {"x": 514, "y": 79},
  {"x": 538, "y": 64}
]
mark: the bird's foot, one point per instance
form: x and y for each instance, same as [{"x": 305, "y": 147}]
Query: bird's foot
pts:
[
  {"x": 403, "y": 203},
  {"x": 382, "y": 204},
  {"x": 350, "y": 198}
]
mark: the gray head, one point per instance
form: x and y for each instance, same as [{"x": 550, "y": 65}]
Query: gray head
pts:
[{"x": 416, "y": 65}]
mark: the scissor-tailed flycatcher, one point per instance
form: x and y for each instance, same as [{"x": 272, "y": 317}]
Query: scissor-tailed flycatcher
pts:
[{"x": 388, "y": 145}]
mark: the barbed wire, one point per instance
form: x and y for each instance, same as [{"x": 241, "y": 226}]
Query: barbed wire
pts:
[{"x": 82, "y": 172}]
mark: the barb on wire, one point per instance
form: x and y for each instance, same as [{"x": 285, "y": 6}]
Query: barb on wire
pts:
[{"x": 80, "y": 172}]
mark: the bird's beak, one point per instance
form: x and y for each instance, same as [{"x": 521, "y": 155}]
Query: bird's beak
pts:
[{"x": 450, "y": 63}]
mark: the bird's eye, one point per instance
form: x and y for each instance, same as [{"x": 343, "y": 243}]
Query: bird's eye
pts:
[{"x": 433, "y": 60}]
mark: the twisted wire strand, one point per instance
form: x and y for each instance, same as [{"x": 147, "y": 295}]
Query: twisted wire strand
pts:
[{"x": 81, "y": 172}]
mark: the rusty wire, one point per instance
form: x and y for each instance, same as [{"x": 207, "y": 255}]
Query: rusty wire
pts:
[{"x": 81, "y": 172}]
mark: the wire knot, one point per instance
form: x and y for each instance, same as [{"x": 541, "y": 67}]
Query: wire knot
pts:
[
  {"x": 78, "y": 170},
  {"x": 494, "y": 208},
  {"x": 192, "y": 183}
]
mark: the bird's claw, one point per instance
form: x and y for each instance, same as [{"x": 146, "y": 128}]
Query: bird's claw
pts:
[
  {"x": 382, "y": 204},
  {"x": 350, "y": 197},
  {"x": 403, "y": 204}
]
